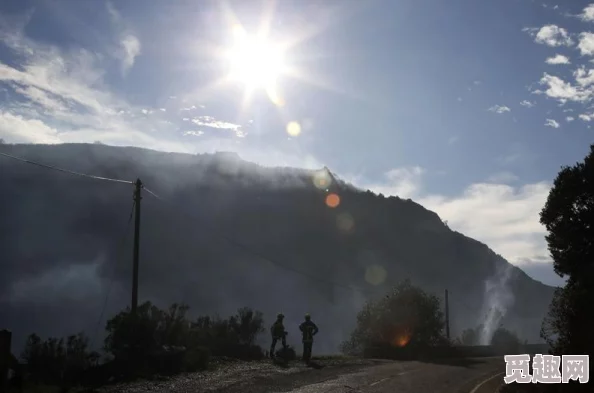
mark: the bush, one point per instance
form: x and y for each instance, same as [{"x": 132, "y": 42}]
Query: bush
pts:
[
  {"x": 407, "y": 318},
  {"x": 506, "y": 341},
  {"x": 57, "y": 361},
  {"x": 166, "y": 341}
]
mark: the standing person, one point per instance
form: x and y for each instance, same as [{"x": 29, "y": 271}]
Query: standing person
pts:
[
  {"x": 309, "y": 330},
  {"x": 277, "y": 330}
]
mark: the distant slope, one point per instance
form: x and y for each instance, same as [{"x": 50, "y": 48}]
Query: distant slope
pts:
[{"x": 61, "y": 238}]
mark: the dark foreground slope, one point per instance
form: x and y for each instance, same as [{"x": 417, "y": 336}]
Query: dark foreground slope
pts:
[{"x": 62, "y": 250}]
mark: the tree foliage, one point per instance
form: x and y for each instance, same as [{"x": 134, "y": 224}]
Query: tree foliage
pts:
[
  {"x": 153, "y": 336},
  {"x": 471, "y": 336},
  {"x": 568, "y": 216},
  {"x": 406, "y": 317},
  {"x": 57, "y": 360},
  {"x": 506, "y": 340}
]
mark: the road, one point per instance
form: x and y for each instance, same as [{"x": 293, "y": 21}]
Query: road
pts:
[
  {"x": 480, "y": 375},
  {"x": 468, "y": 376}
]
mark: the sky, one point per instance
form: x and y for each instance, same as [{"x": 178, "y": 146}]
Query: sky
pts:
[{"x": 467, "y": 107}]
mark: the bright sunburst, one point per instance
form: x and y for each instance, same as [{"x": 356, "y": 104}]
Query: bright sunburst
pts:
[{"x": 255, "y": 61}]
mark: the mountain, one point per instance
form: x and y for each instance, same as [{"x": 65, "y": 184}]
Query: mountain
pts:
[{"x": 224, "y": 233}]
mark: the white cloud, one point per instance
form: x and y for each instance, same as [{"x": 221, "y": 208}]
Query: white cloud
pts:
[
  {"x": 129, "y": 44},
  {"x": 550, "y": 35},
  {"x": 587, "y": 14},
  {"x": 131, "y": 49},
  {"x": 586, "y": 117},
  {"x": 558, "y": 59},
  {"x": 586, "y": 44},
  {"x": 561, "y": 90},
  {"x": 401, "y": 182},
  {"x": 569, "y": 119},
  {"x": 499, "y": 109},
  {"x": 527, "y": 104},
  {"x": 16, "y": 129},
  {"x": 584, "y": 78},
  {"x": 209, "y": 121},
  {"x": 504, "y": 217},
  {"x": 194, "y": 133},
  {"x": 552, "y": 123}
]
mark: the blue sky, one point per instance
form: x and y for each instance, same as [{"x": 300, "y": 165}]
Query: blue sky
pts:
[{"x": 468, "y": 107}]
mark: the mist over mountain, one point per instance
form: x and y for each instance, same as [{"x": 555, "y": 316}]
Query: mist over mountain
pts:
[{"x": 226, "y": 233}]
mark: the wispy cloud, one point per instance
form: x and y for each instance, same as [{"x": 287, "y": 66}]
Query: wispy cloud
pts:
[
  {"x": 527, "y": 104},
  {"x": 211, "y": 122},
  {"x": 569, "y": 119},
  {"x": 128, "y": 42},
  {"x": 552, "y": 123},
  {"x": 557, "y": 60},
  {"x": 551, "y": 35},
  {"x": 499, "y": 109},
  {"x": 587, "y": 14}
]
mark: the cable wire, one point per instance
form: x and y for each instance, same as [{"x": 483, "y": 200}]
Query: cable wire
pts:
[
  {"x": 152, "y": 193},
  {"x": 65, "y": 170},
  {"x": 119, "y": 247}
]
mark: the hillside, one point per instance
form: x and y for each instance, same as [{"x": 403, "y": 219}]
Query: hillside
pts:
[{"x": 63, "y": 250}]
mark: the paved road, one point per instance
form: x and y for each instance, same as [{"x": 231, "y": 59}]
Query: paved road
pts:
[{"x": 465, "y": 376}]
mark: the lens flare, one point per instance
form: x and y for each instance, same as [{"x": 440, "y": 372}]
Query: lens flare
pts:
[
  {"x": 345, "y": 222},
  {"x": 293, "y": 128},
  {"x": 332, "y": 200},
  {"x": 375, "y": 274},
  {"x": 321, "y": 180}
]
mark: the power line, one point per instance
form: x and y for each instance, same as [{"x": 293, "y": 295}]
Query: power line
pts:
[
  {"x": 65, "y": 170},
  {"x": 152, "y": 193},
  {"x": 119, "y": 248}
]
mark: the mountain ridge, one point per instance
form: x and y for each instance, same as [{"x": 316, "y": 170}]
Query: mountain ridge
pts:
[{"x": 280, "y": 210}]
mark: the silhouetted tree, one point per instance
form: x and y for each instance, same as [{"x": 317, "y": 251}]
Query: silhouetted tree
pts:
[
  {"x": 506, "y": 340},
  {"x": 56, "y": 361},
  {"x": 407, "y": 316},
  {"x": 568, "y": 216},
  {"x": 471, "y": 336},
  {"x": 569, "y": 219}
]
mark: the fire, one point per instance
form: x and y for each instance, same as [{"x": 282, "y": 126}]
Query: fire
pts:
[
  {"x": 402, "y": 337},
  {"x": 401, "y": 340}
]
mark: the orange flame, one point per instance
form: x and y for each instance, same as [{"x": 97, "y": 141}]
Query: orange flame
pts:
[{"x": 402, "y": 337}]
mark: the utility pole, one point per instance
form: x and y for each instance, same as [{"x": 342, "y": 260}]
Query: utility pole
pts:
[
  {"x": 5, "y": 357},
  {"x": 135, "y": 257},
  {"x": 447, "y": 314}
]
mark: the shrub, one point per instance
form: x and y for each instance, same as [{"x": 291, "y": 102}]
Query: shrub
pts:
[{"x": 407, "y": 318}]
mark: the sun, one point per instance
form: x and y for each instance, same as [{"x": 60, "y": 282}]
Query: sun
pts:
[{"x": 255, "y": 61}]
